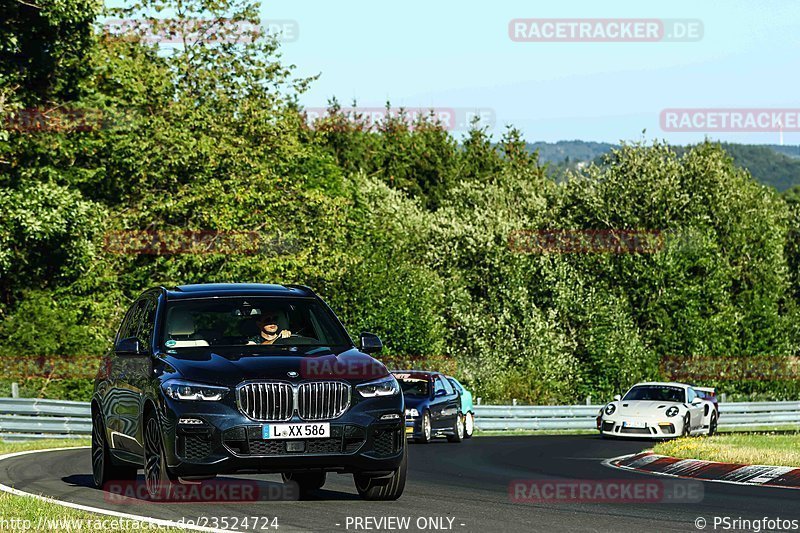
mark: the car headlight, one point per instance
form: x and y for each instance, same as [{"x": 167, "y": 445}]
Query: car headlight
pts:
[
  {"x": 381, "y": 387},
  {"x": 610, "y": 408},
  {"x": 178, "y": 389},
  {"x": 412, "y": 413},
  {"x": 672, "y": 411}
]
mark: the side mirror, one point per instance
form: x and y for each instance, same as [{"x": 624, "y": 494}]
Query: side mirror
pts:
[
  {"x": 441, "y": 392},
  {"x": 697, "y": 400},
  {"x": 617, "y": 397},
  {"x": 129, "y": 346},
  {"x": 370, "y": 343}
]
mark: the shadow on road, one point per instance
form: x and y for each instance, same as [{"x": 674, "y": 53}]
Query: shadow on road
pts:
[{"x": 220, "y": 490}]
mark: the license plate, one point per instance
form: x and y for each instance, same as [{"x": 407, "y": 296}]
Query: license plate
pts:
[
  {"x": 409, "y": 430},
  {"x": 321, "y": 430},
  {"x": 634, "y": 425}
]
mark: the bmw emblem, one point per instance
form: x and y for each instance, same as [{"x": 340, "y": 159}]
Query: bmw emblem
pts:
[{"x": 292, "y": 374}]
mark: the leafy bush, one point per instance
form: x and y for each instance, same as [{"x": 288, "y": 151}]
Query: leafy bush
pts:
[{"x": 405, "y": 231}]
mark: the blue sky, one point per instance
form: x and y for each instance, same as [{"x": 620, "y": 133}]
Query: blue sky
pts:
[{"x": 440, "y": 53}]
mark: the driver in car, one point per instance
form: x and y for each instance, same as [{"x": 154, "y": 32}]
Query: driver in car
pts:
[{"x": 268, "y": 330}]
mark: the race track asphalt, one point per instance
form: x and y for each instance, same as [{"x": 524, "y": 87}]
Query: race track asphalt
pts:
[{"x": 467, "y": 482}]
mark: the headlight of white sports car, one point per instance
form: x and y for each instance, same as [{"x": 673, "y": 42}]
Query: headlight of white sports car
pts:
[{"x": 672, "y": 411}]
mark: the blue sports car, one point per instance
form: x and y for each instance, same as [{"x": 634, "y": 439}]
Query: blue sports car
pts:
[
  {"x": 467, "y": 409},
  {"x": 433, "y": 406}
]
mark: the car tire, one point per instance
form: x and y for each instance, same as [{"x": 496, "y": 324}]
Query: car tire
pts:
[
  {"x": 712, "y": 425},
  {"x": 469, "y": 425},
  {"x": 458, "y": 429},
  {"x": 306, "y": 481},
  {"x": 686, "y": 422},
  {"x": 104, "y": 470},
  {"x": 385, "y": 487},
  {"x": 159, "y": 481},
  {"x": 426, "y": 430}
]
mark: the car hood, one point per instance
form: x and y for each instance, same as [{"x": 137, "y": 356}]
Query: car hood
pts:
[
  {"x": 229, "y": 369},
  {"x": 643, "y": 407}
]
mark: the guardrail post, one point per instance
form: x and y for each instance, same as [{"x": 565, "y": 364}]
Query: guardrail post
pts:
[
  {"x": 478, "y": 401},
  {"x": 15, "y": 390},
  {"x": 514, "y": 401},
  {"x": 588, "y": 400}
]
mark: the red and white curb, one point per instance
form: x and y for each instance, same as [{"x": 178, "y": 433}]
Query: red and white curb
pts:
[{"x": 783, "y": 477}]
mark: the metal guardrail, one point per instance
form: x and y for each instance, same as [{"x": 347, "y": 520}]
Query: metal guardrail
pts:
[
  {"x": 33, "y": 418},
  {"x": 564, "y": 417}
]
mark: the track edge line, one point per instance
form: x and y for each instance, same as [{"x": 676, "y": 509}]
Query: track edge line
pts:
[{"x": 89, "y": 508}]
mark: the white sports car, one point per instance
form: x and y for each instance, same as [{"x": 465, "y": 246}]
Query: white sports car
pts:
[{"x": 658, "y": 410}]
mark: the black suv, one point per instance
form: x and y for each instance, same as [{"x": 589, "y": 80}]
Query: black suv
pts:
[{"x": 224, "y": 378}]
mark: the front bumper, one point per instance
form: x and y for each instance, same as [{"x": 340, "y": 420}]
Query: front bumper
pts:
[
  {"x": 228, "y": 442},
  {"x": 637, "y": 427},
  {"x": 413, "y": 427}
]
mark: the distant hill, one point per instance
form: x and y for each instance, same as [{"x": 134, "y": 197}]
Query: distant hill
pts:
[
  {"x": 767, "y": 165},
  {"x": 568, "y": 153},
  {"x": 790, "y": 150},
  {"x": 771, "y": 164}
]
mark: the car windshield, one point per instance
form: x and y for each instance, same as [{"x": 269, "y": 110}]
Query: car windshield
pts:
[
  {"x": 413, "y": 386},
  {"x": 658, "y": 393},
  {"x": 250, "y": 321}
]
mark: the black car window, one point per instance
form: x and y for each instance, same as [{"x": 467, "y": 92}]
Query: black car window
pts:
[
  {"x": 138, "y": 319},
  {"x": 148, "y": 318},
  {"x": 657, "y": 393},
  {"x": 129, "y": 326},
  {"x": 456, "y": 385},
  {"x": 414, "y": 386},
  {"x": 237, "y": 321}
]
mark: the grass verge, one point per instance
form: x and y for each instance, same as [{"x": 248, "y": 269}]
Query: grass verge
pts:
[
  {"x": 746, "y": 448},
  {"x": 32, "y": 514}
]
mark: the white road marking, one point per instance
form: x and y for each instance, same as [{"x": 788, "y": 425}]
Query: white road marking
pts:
[{"x": 98, "y": 510}]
